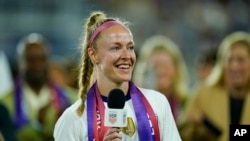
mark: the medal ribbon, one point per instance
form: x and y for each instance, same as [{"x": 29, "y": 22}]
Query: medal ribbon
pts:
[{"x": 143, "y": 111}]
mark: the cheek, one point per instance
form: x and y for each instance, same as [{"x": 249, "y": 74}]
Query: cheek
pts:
[
  {"x": 107, "y": 58},
  {"x": 171, "y": 75},
  {"x": 247, "y": 70},
  {"x": 165, "y": 73},
  {"x": 237, "y": 67},
  {"x": 133, "y": 56},
  {"x": 171, "y": 71}
]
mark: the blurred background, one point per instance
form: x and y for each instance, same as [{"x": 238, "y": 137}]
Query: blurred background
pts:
[{"x": 192, "y": 24}]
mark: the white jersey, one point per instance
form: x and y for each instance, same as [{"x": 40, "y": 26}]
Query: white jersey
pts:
[{"x": 71, "y": 127}]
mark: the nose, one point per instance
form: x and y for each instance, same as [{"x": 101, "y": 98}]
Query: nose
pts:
[
  {"x": 234, "y": 64},
  {"x": 126, "y": 53}
]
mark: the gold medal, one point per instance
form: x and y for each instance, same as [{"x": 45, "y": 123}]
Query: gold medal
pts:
[{"x": 130, "y": 129}]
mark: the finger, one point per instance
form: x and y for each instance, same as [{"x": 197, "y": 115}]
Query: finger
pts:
[
  {"x": 112, "y": 130},
  {"x": 112, "y": 134},
  {"x": 115, "y": 129}
]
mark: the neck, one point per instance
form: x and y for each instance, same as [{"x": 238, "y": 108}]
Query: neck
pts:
[
  {"x": 239, "y": 93},
  {"x": 105, "y": 88},
  {"x": 36, "y": 88}
]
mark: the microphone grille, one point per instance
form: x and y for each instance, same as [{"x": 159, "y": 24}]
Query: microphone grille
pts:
[{"x": 116, "y": 99}]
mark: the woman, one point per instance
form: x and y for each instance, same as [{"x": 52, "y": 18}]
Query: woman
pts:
[
  {"x": 107, "y": 63},
  {"x": 162, "y": 67},
  {"x": 225, "y": 98}
]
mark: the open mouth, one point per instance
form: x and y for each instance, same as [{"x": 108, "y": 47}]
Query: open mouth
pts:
[{"x": 123, "y": 66}]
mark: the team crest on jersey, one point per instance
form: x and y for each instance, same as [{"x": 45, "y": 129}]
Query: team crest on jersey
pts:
[{"x": 130, "y": 128}]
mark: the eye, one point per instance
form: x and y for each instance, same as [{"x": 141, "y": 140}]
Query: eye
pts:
[
  {"x": 115, "y": 48},
  {"x": 131, "y": 48}
]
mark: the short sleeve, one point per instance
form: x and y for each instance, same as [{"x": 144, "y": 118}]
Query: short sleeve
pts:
[{"x": 69, "y": 127}]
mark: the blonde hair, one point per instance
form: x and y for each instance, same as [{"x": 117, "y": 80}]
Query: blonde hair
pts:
[
  {"x": 86, "y": 72},
  {"x": 160, "y": 42},
  {"x": 216, "y": 77}
]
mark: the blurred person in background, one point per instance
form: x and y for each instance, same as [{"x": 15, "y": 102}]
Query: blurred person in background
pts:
[
  {"x": 205, "y": 62},
  {"x": 35, "y": 103},
  {"x": 72, "y": 70},
  {"x": 161, "y": 67},
  {"x": 63, "y": 74},
  {"x": 5, "y": 75},
  {"x": 225, "y": 97},
  {"x": 7, "y": 131}
]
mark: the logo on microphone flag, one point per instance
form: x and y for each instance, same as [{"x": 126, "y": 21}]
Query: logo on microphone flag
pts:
[
  {"x": 115, "y": 117},
  {"x": 112, "y": 117}
]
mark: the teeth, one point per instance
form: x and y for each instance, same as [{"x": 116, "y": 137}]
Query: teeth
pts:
[{"x": 123, "y": 66}]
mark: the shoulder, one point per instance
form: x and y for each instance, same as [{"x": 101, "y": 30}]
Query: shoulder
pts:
[
  {"x": 209, "y": 91},
  {"x": 163, "y": 112},
  {"x": 70, "y": 124},
  {"x": 153, "y": 95},
  {"x": 207, "y": 95},
  {"x": 156, "y": 99}
]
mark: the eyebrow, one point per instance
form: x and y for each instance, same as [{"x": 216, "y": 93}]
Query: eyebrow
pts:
[{"x": 118, "y": 43}]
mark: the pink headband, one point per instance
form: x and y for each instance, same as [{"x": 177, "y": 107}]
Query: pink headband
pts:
[{"x": 101, "y": 28}]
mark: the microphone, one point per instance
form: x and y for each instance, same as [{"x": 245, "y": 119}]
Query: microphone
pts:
[{"x": 115, "y": 114}]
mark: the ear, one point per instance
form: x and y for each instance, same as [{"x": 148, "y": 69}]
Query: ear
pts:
[{"x": 93, "y": 55}]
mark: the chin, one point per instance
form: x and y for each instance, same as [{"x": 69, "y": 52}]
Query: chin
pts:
[{"x": 124, "y": 79}]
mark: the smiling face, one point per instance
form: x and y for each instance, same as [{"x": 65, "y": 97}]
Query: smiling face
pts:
[
  {"x": 114, "y": 56},
  {"x": 237, "y": 66}
]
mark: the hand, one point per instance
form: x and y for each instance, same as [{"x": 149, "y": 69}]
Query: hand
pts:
[{"x": 113, "y": 135}]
